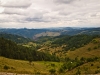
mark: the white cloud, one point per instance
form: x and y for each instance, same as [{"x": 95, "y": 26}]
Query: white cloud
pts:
[
  {"x": 49, "y": 13},
  {"x": 16, "y": 3}
]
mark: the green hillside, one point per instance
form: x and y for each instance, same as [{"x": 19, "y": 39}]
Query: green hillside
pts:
[
  {"x": 15, "y": 38},
  {"x": 10, "y": 49},
  {"x": 24, "y": 67},
  {"x": 90, "y": 50},
  {"x": 61, "y": 55},
  {"x": 84, "y": 58},
  {"x": 62, "y": 45}
]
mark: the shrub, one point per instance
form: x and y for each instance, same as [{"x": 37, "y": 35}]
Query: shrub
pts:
[
  {"x": 89, "y": 49},
  {"x": 98, "y": 67},
  {"x": 52, "y": 71},
  {"x": 53, "y": 65},
  {"x": 61, "y": 70},
  {"x": 6, "y": 67},
  {"x": 97, "y": 71},
  {"x": 92, "y": 64},
  {"x": 78, "y": 72},
  {"x": 95, "y": 47}
]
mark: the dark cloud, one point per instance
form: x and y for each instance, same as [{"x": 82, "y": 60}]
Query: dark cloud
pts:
[
  {"x": 17, "y": 4},
  {"x": 64, "y": 1},
  {"x": 11, "y": 11},
  {"x": 34, "y": 19}
]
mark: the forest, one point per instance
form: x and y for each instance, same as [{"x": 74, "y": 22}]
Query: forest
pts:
[{"x": 10, "y": 49}]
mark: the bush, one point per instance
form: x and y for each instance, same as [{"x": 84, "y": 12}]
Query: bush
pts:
[
  {"x": 78, "y": 72},
  {"x": 89, "y": 49},
  {"x": 92, "y": 64},
  {"x": 95, "y": 47},
  {"x": 61, "y": 70},
  {"x": 52, "y": 71},
  {"x": 53, "y": 65},
  {"x": 97, "y": 71},
  {"x": 98, "y": 67},
  {"x": 6, "y": 67}
]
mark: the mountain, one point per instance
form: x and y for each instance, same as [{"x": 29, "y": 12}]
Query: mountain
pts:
[
  {"x": 75, "y": 31},
  {"x": 29, "y": 33},
  {"x": 36, "y": 33},
  {"x": 15, "y": 38}
]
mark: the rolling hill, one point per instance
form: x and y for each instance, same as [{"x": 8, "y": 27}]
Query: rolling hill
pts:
[
  {"x": 35, "y": 33},
  {"x": 77, "y": 53},
  {"x": 15, "y": 38}
]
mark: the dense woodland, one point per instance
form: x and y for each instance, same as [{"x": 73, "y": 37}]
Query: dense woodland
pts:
[
  {"x": 73, "y": 42},
  {"x": 10, "y": 49}
]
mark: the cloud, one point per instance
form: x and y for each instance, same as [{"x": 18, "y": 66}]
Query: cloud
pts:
[
  {"x": 64, "y": 1},
  {"x": 15, "y": 11},
  {"x": 49, "y": 13},
  {"x": 17, "y": 3}
]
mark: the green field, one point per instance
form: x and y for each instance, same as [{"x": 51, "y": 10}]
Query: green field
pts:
[
  {"x": 24, "y": 67},
  {"x": 43, "y": 67}
]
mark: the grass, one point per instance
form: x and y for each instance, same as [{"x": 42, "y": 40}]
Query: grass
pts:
[
  {"x": 87, "y": 51},
  {"x": 19, "y": 66},
  {"x": 87, "y": 68},
  {"x": 48, "y": 34},
  {"x": 90, "y": 50}
]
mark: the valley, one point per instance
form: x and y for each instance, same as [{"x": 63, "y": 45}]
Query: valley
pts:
[{"x": 58, "y": 51}]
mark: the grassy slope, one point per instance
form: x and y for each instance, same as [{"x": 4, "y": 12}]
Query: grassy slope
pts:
[
  {"x": 80, "y": 52},
  {"x": 86, "y": 68},
  {"x": 84, "y": 52},
  {"x": 47, "y": 34},
  {"x": 19, "y": 66}
]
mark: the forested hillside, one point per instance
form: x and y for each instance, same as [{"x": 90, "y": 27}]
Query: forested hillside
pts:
[
  {"x": 73, "y": 42},
  {"x": 29, "y": 33},
  {"x": 15, "y": 38},
  {"x": 62, "y": 44},
  {"x": 10, "y": 49}
]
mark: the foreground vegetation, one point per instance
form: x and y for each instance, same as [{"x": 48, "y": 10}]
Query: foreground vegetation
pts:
[
  {"x": 24, "y": 67},
  {"x": 62, "y": 55},
  {"x": 71, "y": 67}
]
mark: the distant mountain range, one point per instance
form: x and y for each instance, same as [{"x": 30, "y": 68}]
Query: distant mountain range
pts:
[
  {"x": 15, "y": 38},
  {"x": 35, "y": 33}
]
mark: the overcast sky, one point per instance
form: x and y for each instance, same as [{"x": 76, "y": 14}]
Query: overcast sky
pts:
[{"x": 49, "y": 13}]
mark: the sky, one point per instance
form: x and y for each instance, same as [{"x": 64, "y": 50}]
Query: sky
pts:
[{"x": 49, "y": 13}]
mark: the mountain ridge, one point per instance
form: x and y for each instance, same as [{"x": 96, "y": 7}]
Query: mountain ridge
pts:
[{"x": 32, "y": 33}]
